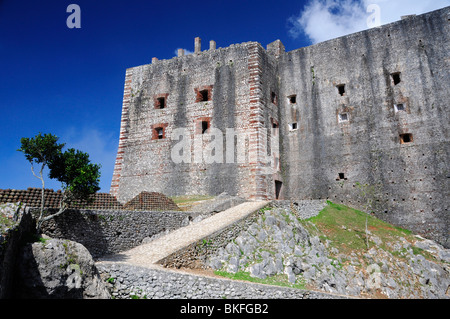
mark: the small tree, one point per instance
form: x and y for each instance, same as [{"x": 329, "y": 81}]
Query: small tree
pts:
[
  {"x": 40, "y": 150},
  {"x": 72, "y": 168}
]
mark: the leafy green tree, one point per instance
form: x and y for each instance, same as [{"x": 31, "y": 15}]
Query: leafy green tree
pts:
[
  {"x": 78, "y": 176},
  {"x": 40, "y": 150}
]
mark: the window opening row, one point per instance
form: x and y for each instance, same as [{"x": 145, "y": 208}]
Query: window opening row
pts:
[
  {"x": 158, "y": 132},
  {"x": 205, "y": 95},
  {"x": 201, "y": 96}
]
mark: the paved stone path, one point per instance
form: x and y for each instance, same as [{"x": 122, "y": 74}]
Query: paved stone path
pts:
[{"x": 147, "y": 255}]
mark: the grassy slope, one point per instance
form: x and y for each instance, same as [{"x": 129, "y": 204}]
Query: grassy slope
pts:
[{"x": 344, "y": 228}]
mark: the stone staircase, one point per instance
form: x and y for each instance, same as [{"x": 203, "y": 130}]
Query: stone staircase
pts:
[
  {"x": 147, "y": 255},
  {"x": 136, "y": 273}
]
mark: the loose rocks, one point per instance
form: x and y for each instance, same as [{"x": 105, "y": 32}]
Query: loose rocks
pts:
[{"x": 278, "y": 244}]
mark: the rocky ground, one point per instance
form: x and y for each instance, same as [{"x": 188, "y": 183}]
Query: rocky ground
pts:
[
  {"x": 9, "y": 216},
  {"x": 58, "y": 269},
  {"x": 336, "y": 252},
  {"x": 313, "y": 245}
]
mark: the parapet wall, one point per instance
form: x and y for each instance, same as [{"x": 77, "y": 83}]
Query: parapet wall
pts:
[
  {"x": 127, "y": 282},
  {"x": 194, "y": 256}
]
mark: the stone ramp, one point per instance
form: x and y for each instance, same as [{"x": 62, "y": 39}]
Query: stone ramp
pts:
[{"x": 147, "y": 255}]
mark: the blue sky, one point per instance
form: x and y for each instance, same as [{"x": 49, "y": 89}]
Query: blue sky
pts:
[{"x": 69, "y": 82}]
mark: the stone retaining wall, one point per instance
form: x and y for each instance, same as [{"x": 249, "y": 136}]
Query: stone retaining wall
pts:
[
  {"x": 105, "y": 232},
  {"x": 194, "y": 255},
  {"x": 127, "y": 281}
]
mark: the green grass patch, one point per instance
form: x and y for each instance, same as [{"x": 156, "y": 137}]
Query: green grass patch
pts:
[
  {"x": 345, "y": 227},
  {"x": 5, "y": 223},
  {"x": 351, "y": 232},
  {"x": 190, "y": 198},
  {"x": 185, "y": 202},
  {"x": 277, "y": 280}
]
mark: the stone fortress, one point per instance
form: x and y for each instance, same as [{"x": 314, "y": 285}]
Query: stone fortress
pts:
[{"x": 361, "y": 120}]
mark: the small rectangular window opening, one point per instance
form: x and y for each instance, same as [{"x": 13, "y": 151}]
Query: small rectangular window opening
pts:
[
  {"x": 341, "y": 176},
  {"x": 341, "y": 89},
  {"x": 278, "y": 185},
  {"x": 343, "y": 117},
  {"x": 292, "y": 126},
  {"x": 293, "y": 99},
  {"x": 273, "y": 98},
  {"x": 205, "y": 127},
  {"x": 274, "y": 123},
  {"x": 159, "y": 132},
  {"x": 399, "y": 107},
  {"x": 161, "y": 102},
  {"x": 396, "y": 78},
  {"x": 204, "y": 95},
  {"x": 406, "y": 138}
]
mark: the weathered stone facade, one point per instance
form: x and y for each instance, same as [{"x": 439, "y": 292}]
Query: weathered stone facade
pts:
[
  {"x": 365, "y": 161},
  {"x": 231, "y": 78},
  {"x": 361, "y": 119}
]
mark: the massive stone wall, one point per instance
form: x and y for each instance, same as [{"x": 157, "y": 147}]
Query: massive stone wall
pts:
[
  {"x": 350, "y": 146},
  {"x": 226, "y": 91},
  {"x": 144, "y": 161}
]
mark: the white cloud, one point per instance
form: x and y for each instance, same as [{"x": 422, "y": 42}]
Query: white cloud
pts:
[
  {"x": 322, "y": 20},
  {"x": 186, "y": 51},
  {"x": 101, "y": 147}
]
